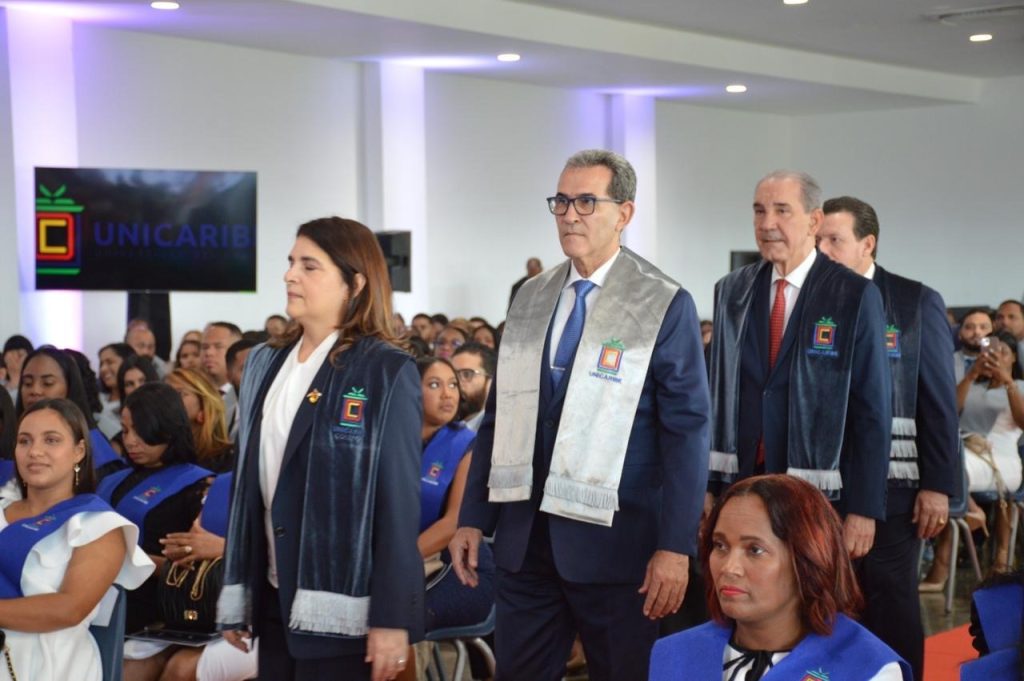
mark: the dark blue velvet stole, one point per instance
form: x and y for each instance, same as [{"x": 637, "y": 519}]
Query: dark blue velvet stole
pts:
[
  {"x": 151, "y": 491},
  {"x": 441, "y": 459},
  {"x": 18, "y": 538}
]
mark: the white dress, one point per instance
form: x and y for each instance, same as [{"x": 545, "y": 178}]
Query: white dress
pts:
[{"x": 68, "y": 653}]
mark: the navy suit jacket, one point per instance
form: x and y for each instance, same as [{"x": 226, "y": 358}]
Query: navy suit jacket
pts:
[
  {"x": 663, "y": 478},
  {"x": 396, "y": 517},
  {"x": 765, "y": 396},
  {"x": 936, "y": 416}
]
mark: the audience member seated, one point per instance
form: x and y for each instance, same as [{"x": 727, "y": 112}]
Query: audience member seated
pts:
[
  {"x": 143, "y": 341},
  {"x": 418, "y": 347},
  {"x": 205, "y": 410},
  {"x": 975, "y": 325},
  {"x": 134, "y": 372},
  {"x": 8, "y": 433},
  {"x": 996, "y": 608},
  {"x": 235, "y": 359},
  {"x": 1010, "y": 318},
  {"x": 16, "y": 349},
  {"x": 187, "y": 356},
  {"x": 64, "y": 548},
  {"x": 474, "y": 366},
  {"x": 422, "y": 327},
  {"x": 275, "y": 325},
  {"x": 51, "y": 373},
  {"x": 110, "y": 357},
  {"x": 163, "y": 490},
  {"x": 992, "y": 418},
  {"x": 486, "y": 335},
  {"x": 217, "y": 661},
  {"x": 438, "y": 321},
  {"x": 781, "y": 592},
  {"x": 90, "y": 382},
  {"x": 447, "y": 454},
  {"x": 449, "y": 340},
  {"x": 217, "y": 338}
]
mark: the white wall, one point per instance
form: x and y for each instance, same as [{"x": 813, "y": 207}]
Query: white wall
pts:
[
  {"x": 494, "y": 153},
  {"x": 947, "y": 182},
  {"x": 10, "y": 313},
  {"x": 154, "y": 102},
  {"x": 708, "y": 163}
]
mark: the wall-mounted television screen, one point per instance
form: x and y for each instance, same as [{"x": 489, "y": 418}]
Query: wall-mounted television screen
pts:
[{"x": 145, "y": 230}]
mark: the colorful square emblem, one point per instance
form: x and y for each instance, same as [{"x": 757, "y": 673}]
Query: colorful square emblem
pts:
[
  {"x": 892, "y": 340},
  {"x": 610, "y": 358},
  {"x": 825, "y": 334},
  {"x": 352, "y": 406}
]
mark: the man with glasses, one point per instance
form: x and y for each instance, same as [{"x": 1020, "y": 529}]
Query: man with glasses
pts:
[
  {"x": 591, "y": 461},
  {"x": 474, "y": 365}
]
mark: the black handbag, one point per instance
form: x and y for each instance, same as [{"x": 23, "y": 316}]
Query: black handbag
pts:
[{"x": 188, "y": 595}]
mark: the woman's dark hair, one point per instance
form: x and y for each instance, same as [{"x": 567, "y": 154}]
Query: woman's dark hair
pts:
[
  {"x": 803, "y": 519},
  {"x": 353, "y": 249},
  {"x": 8, "y": 425},
  {"x": 1011, "y": 342},
  {"x": 89, "y": 379},
  {"x": 487, "y": 328},
  {"x": 418, "y": 347},
  {"x": 143, "y": 364},
  {"x": 159, "y": 418},
  {"x": 72, "y": 378},
  {"x": 122, "y": 350},
  {"x": 75, "y": 419}
]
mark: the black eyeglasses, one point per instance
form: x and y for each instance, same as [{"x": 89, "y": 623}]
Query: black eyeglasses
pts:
[{"x": 584, "y": 205}]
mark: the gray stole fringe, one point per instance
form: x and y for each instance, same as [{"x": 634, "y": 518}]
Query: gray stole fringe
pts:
[
  {"x": 604, "y": 389},
  {"x": 902, "y": 299}
]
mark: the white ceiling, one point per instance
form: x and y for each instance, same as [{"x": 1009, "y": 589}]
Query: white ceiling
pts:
[{"x": 829, "y": 55}]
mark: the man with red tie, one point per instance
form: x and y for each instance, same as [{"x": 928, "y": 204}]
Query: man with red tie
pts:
[{"x": 800, "y": 382}]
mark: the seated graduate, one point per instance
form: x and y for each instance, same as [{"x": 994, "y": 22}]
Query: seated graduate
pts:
[
  {"x": 997, "y": 609},
  {"x": 205, "y": 409},
  {"x": 63, "y": 548},
  {"x": 781, "y": 590},
  {"x": 217, "y": 660},
  {"x": 52, "y": 373},
  {"x": 8, "y": 434},
  {"x": 163, "y": 490}
]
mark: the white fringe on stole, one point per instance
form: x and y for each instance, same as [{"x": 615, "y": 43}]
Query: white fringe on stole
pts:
[
  {"x": 904, "y": 427},
  {"x": 723, "y": 462},
  {"x": 510, "y": 483},
  {"x": 903, "y": 470},
  {"x": 325, "y": 612},
  {"x": 823, "y": 480}
]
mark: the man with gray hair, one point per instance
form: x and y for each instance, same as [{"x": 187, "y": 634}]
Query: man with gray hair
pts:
[
  {"x": 800, "y": 382},
  {"x": 591, "y": 462}
]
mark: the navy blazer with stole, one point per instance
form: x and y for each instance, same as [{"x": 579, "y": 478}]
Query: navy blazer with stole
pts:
[
  {"x": 396, "y": 516},
  {"x": 936, "y": 415},
  {"x": 765, "y": 392},
  {"x": 663, "y": 476}
]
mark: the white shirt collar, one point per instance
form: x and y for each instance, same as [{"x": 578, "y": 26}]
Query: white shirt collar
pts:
[
  {"x": 597, "y": 276},
  {"x": 870, "y": 274},
  {"x": 797, "y": 276}
]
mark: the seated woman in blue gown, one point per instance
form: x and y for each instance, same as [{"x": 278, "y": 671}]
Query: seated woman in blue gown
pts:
[{"x": 781, "y": 591}]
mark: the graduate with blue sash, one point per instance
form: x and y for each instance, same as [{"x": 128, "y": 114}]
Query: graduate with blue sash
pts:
[
  {"x": 148, "y": 490},
  {"x": 218, "y": 502},
  {"x": 996, "y": 625},
  {"x": 441, "y": 458}
]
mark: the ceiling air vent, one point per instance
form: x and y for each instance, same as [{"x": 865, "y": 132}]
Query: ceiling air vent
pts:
[{"x": 955, "y": 17}]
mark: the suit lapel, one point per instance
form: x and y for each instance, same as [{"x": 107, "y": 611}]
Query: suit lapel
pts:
[
  {"x": 796, "y": 326},
  {"x": 307, "y": 410}
]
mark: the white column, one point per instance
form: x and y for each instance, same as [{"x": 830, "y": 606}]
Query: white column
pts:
[
  {"x": 631, "y": 132},
  {"x": 394, "y": 166},
  {"x": 44, "y": 130}
]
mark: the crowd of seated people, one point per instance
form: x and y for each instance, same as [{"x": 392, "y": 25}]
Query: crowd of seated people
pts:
[{"x": 142, "y": 419}]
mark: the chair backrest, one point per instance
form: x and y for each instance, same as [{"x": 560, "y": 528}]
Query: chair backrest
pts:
[
  {"x": 958, "y": 503},
  {"x": 110, "y": 639}
]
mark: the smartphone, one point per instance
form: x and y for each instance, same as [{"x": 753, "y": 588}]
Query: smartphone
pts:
[{"x": 986, "y": 344}]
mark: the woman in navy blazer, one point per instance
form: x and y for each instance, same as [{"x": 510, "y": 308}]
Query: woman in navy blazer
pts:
[{"x": 321, "y": 563}]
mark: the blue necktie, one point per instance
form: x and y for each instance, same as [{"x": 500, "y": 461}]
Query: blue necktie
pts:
[{"x": 572, "y": 332}]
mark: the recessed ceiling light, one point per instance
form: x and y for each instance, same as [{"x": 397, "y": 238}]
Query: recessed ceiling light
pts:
[
  {"x": 981, "y": 37},
  {"x": 794, "y": 2},
  {"x": 736, "y": 89},
  {"x": 161, "y": 4},
  {"x": 509, "y": 57}
]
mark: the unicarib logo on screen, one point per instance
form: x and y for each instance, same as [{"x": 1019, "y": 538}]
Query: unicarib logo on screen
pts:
[{"x": 58, "y": 233}]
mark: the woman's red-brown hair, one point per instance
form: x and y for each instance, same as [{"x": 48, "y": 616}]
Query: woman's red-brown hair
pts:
[
  {"x": 353, "y": 249},
  {"x": 803, "y": 519}
]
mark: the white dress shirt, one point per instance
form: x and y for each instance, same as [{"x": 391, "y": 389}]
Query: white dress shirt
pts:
[
  {"x": 794, "y": 282},
  {"x": 290, "y": 387},
  {"x": 568, "y": 298}
]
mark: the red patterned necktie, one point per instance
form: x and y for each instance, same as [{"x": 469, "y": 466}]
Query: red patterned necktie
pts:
[
  {"x": 777, "y": 323},
  {"x": 776, "y": 326}
]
